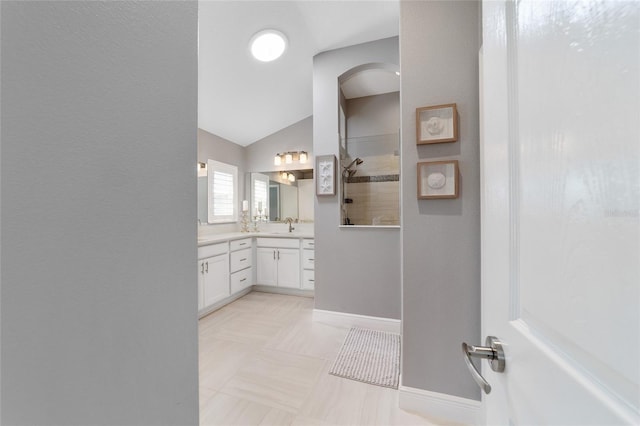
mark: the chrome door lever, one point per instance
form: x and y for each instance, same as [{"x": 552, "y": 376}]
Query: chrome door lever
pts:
[{"x": 492, "y": 352}]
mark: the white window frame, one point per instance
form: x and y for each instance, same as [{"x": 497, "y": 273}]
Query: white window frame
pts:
[
  {"x": 213, "y": 167},
  {"x": 255, "y": 197}
]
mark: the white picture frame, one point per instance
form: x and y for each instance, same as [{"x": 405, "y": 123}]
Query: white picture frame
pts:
[{"x": 325, "y": 175}]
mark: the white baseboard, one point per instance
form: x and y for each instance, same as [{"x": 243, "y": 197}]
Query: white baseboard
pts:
[
  {"x": 283, "y": 290},
  {"x": 440, "y": 406},
  {"x": 353, "y": 320}
]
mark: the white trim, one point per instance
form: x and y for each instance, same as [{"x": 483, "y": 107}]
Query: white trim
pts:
[
  {"x": 440, "y": 406},
  {"x": 353, "y": 320},
  {"x": 283, "y": 290}
]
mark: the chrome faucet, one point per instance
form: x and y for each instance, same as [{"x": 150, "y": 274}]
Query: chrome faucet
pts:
[{"x": 290, "y": 222}]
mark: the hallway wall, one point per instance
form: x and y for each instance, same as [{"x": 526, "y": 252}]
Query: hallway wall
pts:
[
  {"x": 357, "y": 269},
  {"x": 439, "y": 43},
  {"x": 98, "y": 213}
]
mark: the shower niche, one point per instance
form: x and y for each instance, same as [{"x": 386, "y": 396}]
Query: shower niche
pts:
[{"x": 369, "y": 163}]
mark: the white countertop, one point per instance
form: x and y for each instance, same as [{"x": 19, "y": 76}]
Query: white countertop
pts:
[{"x": 229, "y": 236}]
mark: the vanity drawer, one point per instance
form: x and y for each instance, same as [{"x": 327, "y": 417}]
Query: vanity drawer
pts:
[
  {"x": 308, "y": 244},
  {"x": 240, "y": 259},
  {"x": 212, "y": 250},
  {"x": 241, "y": 280},
  {"x": 308, "y": 259},
  {"x": 240, "y": 244},
  {"x": 278, "y": 242},
  {"x": 308, "y": 279}
]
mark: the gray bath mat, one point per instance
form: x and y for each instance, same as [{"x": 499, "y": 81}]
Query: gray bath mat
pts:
[{"x": 369, "y": 356}]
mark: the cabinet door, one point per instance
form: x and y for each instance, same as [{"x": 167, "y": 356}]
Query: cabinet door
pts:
[
  {"x": 216, "y": 282},
  {"x": 201, "y": 276},
  {"x": 266, "y": 273},
  {"x": 288, "y": 268}
]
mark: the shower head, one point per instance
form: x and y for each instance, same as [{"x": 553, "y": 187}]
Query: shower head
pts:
[{"x": 357, "y": 162}]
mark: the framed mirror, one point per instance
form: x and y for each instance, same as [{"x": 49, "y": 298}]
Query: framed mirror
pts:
[{"x": 282, "y": 194}]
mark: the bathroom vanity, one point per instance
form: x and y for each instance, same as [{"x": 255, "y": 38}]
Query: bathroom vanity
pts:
[{"x": 231, "y": 265}]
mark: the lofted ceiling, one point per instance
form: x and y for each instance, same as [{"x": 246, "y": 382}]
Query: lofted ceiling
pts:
[{"x": 244, "y": 100}]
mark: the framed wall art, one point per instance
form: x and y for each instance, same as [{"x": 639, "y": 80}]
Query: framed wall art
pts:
[
  {"x": 438, "y": 179},
  {"x": 326, "y": 175},
  {"x": 436, "y": 124}
]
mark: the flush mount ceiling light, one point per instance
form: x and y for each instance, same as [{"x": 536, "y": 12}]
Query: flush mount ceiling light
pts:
[{"x": 268, "y": 45}]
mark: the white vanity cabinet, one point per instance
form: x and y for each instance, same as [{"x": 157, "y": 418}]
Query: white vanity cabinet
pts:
[
  {"x": 308, "y": 264},
  {"x": 278, "y": 262},
  {"x": 213, "y": 274},
  {"x": 240, "y": 264}
]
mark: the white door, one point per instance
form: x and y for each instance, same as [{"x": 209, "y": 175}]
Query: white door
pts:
[
  {"x": 216, "y": 282},
  {"x": 560, "y": 202},
  {"x": 266, "y": 272},
  {"x": 288, "y": 268},
  {"x": 201, "y": 279}
]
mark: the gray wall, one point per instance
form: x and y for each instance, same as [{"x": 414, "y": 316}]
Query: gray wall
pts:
[
  {"x": 440, "y": 238},
  {"x": 357, "y": 270},
  {"x": 98, "y": 139},
  {"x": 297, "y": 137},
  {"x": 214, "y": 147},
  {"x": 373, "y": 115}
]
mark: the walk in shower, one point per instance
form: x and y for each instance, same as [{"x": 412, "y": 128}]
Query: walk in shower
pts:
[
  {"x": 369, "y": 149},
  {"x": 371, "y": 181}
]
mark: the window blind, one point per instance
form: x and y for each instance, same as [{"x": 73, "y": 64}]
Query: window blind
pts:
[{"x": 223, "y": 196}]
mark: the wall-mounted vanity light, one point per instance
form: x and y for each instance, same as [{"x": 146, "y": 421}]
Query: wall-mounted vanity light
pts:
[{"x": 290, "y": 157}]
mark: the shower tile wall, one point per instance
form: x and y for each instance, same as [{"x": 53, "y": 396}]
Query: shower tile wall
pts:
[{"x": 375, "y": 191}]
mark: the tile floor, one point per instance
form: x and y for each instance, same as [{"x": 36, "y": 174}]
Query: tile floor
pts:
[{"x": 263, "y": 361}]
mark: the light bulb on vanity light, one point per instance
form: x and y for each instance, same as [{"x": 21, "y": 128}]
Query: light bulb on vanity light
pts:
[
  {"x": 277, "y": 160},
  {"x": 284, "y": 175},
  {"x": 303, "y": 157},
  {"x": 292, "y": 177},
  {"x": 288, "y": 158}
]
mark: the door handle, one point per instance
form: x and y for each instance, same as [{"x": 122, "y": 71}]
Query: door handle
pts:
[
  {"x": 492, "y": 352},
  {"x": 207, "y": 269}
]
